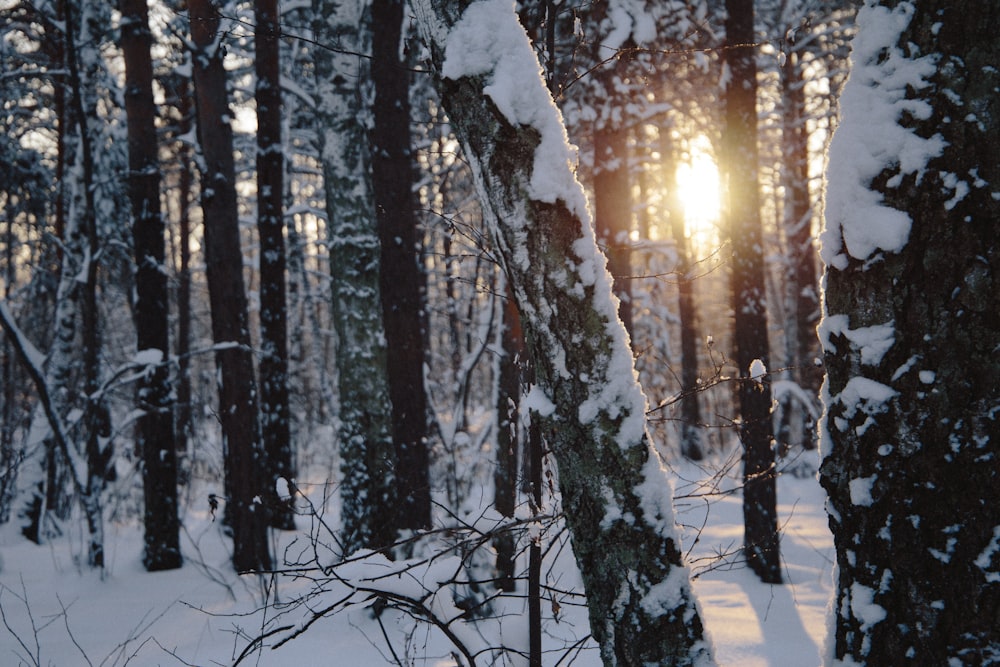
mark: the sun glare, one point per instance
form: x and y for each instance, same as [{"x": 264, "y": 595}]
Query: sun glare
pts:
[{"x": 700, "y": 194}]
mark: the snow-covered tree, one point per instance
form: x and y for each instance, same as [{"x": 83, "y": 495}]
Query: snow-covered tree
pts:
[
  {"x": 615, "y": 494},
  {"x": 343, "y": 94},
  {"x": 910, "y": 334}
]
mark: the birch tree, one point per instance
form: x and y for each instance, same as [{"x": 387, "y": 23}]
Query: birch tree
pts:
[
  {"x": 910, "y": 334},
  {"x": 343, "y": 90},
  {"x": 615, "y": 494}
]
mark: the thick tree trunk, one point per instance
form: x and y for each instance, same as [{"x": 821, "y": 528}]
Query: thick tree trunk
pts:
[
  {"x": 367, "y": 456},
  {"x": 273, "y": 365},
  {"x": 760, "y": 541},
  {"x": 242, "y": 447},
  {"x": 403, "y": 282},
  {"x": 615, "y": 494},
  {"x": 910, "y": 335},
  {"x": 155, "y": 430}
]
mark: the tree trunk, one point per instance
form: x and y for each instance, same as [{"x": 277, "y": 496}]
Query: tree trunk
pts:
[
  {"x": 910, "y": 335},
  {"x": 156, "y": 427},
  {"x": 802, "y": 287},
  {"x": 692, "y": 435},
  {"x": 367, "y": 456},
  {"x": 273, "y": 366},
  {"x": 403, "y": 282},
  {"x": 508, "y": 387},
  {"x": 82, "y": 65},
  {"x": 242, "y": 447},
  {"x": 615, "y": 494},
  {"x": 760, "y": 541},
  {"x": 184, "y": 424},
  {"x": 613, "y": 212}
]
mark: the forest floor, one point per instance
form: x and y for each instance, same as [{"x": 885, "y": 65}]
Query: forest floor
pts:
[{"x": 57, "y": 613}]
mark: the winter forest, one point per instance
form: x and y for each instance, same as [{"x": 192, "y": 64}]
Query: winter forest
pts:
[{"x": 473, "y": 332}]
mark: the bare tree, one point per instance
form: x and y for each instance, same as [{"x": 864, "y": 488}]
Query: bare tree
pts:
[{"x": 615, "y": 494}]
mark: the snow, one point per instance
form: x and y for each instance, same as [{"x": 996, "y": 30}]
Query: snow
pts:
[
  {"x": 870, "y": 139},
  {"x": 861, "y": 490},
  {"x": 757, "y": 370},
  {"x": 204, "y": 614},
  {"x": 489, "y": 41},
  {"x": 872, "y": 342}
]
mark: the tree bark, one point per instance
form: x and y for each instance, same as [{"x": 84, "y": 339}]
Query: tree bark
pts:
[
  {"x": 740, "y": 165},
  {"x": 242, "y": 446},
  {"x": 403, "y": 282},
  {"x": 613, "y": 211},
  {"x": 274, "y": 407},
  {"x": 802, "y": 287},
  {"x": 692, "y": 435},
  {"x": 910, "y": 333},
  {"x": 155, "y": 429},
  {"x": 615, "y": 495},
  {"x": 367, "y": 457}
]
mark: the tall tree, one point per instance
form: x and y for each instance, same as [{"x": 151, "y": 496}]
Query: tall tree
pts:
[
  {"x": 242, "y": 446},
  {"x": 273, "y": 366},
  {"x": 615, "y": 494},
  {"x": 367, "y": 457},
  {"x": 402, "y": 282},
  {"x": 910, "y": 334},
  {"x": 740, "y": 166},
  {"x": 155, "y": 431}
]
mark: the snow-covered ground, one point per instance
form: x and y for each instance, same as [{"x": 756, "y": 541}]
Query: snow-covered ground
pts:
[{"x": 54, "y": 613}]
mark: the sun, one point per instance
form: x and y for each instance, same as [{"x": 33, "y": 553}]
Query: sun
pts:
[{"x": 701, "y": 195}]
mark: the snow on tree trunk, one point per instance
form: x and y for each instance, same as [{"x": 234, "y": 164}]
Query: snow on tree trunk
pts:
[
  {"x": 155, "y": 431},
  {"x": 343, "y": 91},
  {"x": 910, "y": 335},
  {"x": 616, "y": 497}
]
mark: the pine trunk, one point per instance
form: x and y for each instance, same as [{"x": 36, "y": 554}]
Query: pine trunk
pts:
[
  {"x": 910, "y": 335},
  {"x": 241, "y": 441},
  {"x": 274, "y": 408},
  {"x": 403, "y": 281},
  {"x": 156, "y": 428},
  {"x": 740, "y": 163}
]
